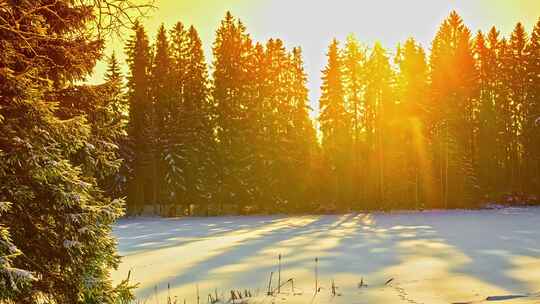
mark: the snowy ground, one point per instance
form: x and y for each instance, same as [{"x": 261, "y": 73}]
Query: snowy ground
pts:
[{"x": 432, "y": 257}]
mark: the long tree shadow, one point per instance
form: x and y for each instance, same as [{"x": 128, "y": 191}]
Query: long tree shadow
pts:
[
  {"x": 474, "y": 251},
  {"x": 374, "y": 247},
  {"x": 299, "y": 249},
  {"x": 494, "y": 248},
  {"x": 399, "y": 243},
  {"x": 156, "y": 233},
  {"x": 241, "y": 251},
  {"x": 371, "y": 247}
]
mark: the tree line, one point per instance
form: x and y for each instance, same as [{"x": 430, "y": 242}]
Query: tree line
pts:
[
  {"x": 455, "y": 128},
  {"x": 243, "y": 141}
]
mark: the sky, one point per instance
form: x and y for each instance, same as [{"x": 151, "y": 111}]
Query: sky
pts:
[{"x": 312, "y": 24}]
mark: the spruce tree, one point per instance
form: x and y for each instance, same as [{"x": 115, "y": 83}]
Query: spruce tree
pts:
[
  {"x": 531, "y": 132},
  {"x": 179, "y": 52},
  {"x": 488, "y": 69},
  {"x": 175, "y": 148},
  {"x": 197, "y": 126},
  {"x": 412, "y": 121},
  {"x": 505, "y": 118},
  {"x": 14, "y": 281},
  {"x": 231, "y": 57},
  {"x": 278, "y": 111},
  {"x": 261, "y": 119},
  {"x": 163, "y": 116},
  {"x": 498, "y": 49},
  {"x": 517, "y": 80},
  {"x": 354, "y": 61},
  {"x": 453, "y": 92},
  {"x": 116, "y": 185},
  {"x": 334, "y": 123},
  {"x": 302, "y": 136},
  {"x": 379, "y": 99},
  {"x": 140, "y": 120},
  {"x": 113, "y": 73},
  {"x": 55, "y": 148}
]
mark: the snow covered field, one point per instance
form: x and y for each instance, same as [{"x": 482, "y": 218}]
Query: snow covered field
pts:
[{"x": 433, "y": 257}]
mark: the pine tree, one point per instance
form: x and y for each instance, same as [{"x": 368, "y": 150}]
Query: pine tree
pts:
[
  {"x": 335, "y": 122},
  {"x": 140, "y": 119},
  {"x": 53, "y": 155}
]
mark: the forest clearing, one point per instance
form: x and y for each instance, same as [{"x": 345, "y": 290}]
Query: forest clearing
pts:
[{"x": 430, "y": 257}]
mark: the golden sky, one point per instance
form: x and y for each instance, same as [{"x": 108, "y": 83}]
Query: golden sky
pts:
[{"x": 311, "y": 24}]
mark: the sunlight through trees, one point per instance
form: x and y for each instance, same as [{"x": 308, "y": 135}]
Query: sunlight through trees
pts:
[{"x": 455, "y": 127}]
